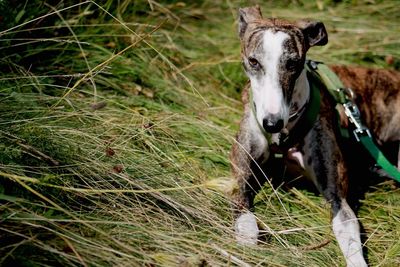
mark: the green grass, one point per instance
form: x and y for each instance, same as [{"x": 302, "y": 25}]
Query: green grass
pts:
[{"x": 116, "y": 122}]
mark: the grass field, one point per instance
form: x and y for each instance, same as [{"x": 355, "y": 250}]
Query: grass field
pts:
[{"x": 116, "y": 121}]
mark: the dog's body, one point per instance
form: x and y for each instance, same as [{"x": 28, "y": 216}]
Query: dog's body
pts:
[{"x": 273, "y": 53}]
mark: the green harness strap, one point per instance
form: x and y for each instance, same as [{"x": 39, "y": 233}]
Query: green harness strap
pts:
[
  {"x": 362, "y": 134},
  {"x": 327, "y": 78}
]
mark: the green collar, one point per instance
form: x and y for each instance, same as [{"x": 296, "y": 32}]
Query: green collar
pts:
[{"x": 304, "y": 123}]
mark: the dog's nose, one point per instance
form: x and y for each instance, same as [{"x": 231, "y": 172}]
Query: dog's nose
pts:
[{"x": 272, "y": 126}]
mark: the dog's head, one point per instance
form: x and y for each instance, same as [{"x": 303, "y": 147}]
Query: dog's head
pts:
[{"x": 273, "y": 54}]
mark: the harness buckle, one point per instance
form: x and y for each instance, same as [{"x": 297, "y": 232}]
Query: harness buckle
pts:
[
  {"x": 353, "y": 113},
  {"x": 360, "y": 132}
]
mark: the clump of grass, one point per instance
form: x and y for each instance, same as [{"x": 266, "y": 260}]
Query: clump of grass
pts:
[{"x": 115, "y": 127}]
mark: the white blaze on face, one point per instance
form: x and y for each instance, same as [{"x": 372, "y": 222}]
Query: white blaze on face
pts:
[{"x": 267, "y": 90}]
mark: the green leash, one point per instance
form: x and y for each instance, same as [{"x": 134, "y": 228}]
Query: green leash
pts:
[
  {"x": 380, "y": 159},
  {"x": 344, "y": 97}
]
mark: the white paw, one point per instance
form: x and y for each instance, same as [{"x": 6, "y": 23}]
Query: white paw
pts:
[
  {"x": 246, "y": 229},
  {"x": 356, "y": 260}
]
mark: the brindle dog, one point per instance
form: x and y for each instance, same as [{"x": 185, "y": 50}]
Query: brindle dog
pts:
[{"x": 274, "y": 53}]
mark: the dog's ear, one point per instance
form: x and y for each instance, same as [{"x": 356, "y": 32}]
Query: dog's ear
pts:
[
  {"x": 247, "y": 15},
  {"x": 314, "y": 32}
]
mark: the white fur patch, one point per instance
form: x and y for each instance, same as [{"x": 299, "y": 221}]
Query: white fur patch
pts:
[
  {"x": 347, "y": 232},
  {"x": 267, "y": 90},
  {"x": 246, "y": 229},
  {"x": 297, "y": 156}
]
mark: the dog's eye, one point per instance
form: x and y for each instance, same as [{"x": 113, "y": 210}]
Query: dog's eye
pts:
[{"x": 253, "y": 62}]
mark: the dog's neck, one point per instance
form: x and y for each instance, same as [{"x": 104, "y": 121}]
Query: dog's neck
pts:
[{"x": 300, "y": 99}]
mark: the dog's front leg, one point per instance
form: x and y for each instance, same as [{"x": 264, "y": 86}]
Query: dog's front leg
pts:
[
  {"x": 345, "y": 224},
  {"x": 327, "y": 168},
  {"x": 347, "y": 231},
  {"x": 249, "y": 150}
]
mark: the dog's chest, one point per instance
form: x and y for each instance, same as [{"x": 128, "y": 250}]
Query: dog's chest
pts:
[{"x": 297, "y": 162}]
